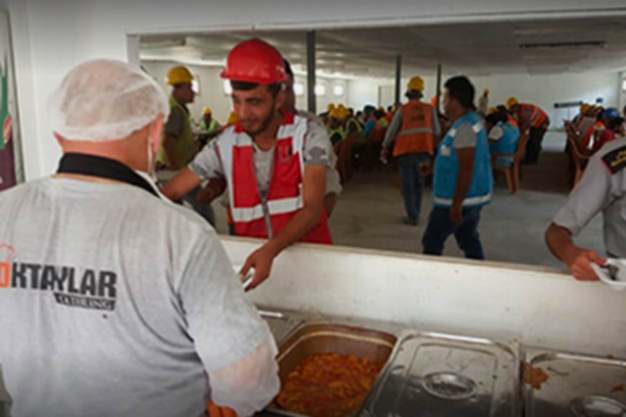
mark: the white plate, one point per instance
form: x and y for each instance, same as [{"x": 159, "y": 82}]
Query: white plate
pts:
[{"x": 613, "y": 273}]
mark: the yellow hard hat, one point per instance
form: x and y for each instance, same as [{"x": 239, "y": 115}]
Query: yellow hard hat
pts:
[
  {"x": 512, "y": 101},
  {"x": 336, "y": 113},
  {"x": 492, "y": 110},
  {"x": 416, "y": 84},
  {"x": 232, "y": 118},
  {"x": 179, "y": 75},
  {"x": 207, "y": 110},
  {"x": 584, "y": 107},
  {"x": 330, "y": 107}
]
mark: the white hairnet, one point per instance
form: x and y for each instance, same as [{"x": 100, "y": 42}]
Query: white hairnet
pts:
[{"x": 105, "y": 100}]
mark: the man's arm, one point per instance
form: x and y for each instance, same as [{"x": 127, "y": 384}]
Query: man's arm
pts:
[
  {"x": 314, "y": 185},
  {"x": 463, "y": 182},
  {"x": 588, "y": 199},
  {"x": 181, "y": 185},
  {"x": 578, "y": 260},
  {"x": 391, "y": 133},
  {"x": 465, "y": 146},
  {"x": 232, "y": 341},
  {"x": 206, "y": 165}
]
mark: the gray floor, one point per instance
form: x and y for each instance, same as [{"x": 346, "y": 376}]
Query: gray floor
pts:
[{"x": 369, "y": 214}]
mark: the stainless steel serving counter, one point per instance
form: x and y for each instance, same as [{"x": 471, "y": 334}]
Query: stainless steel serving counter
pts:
[{"x": 429, "y": 373}]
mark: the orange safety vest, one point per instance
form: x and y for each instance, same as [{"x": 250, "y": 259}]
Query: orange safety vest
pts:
[
  {"x": 511, "y": 120},
  {"x": 416, "y": 134},
  {"x": 592, "y": 134},
  {"x": 532, "y": 116},
  {"x": 264, "y": 218}
]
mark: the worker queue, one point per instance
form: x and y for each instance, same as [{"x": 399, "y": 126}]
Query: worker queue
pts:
[{"x": 154, "y": 305}]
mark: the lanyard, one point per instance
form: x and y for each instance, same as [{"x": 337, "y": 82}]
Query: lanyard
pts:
[{"x": 97, "y": 166}]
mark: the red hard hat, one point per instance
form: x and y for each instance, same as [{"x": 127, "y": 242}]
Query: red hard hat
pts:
[{"x": 255, "y": 61}]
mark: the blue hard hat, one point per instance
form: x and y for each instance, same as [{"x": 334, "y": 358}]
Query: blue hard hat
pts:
[{"x": 611, "y": 113}]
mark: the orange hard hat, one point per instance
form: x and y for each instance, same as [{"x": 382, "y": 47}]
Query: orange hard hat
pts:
[{"x": 255, "y": 61}]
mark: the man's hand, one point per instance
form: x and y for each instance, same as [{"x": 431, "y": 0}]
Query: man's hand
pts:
[
  {"x": 384, "y": 156},
  {"x": 456, "y": 214},
  {"x": 216, "y": 411},
  {"x": 214, "y": 188},
  {"x": 579, "y": 261},
  {"x": 261, "y": 260}
]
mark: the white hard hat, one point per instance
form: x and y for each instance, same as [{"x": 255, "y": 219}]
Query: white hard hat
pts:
[{"x": 105, "y": 99}]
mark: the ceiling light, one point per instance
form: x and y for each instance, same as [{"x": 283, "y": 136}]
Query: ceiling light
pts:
[
  {"x": 624, "y": 85},
  {"x": 298, "y": 89},
  {"x": 338, "y": 90},
  {"x": 573, "y": 44}
]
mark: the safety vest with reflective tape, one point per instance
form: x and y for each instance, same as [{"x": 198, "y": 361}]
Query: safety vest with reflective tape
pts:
[
  {"x": 416, "y": 134},
  {"x": 252, "y": 215},
  {"x": 447, "y": 167},
  {"x": 532, "y": 116}
]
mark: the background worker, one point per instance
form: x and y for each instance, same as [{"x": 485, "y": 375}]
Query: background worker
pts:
[
  {"x": 209, "y": 126},
  {"x": 532, "y": 118},
  {"x": 463, "y": 181},
  {"x": 127, "y": 303},
  {"x": 179, "y": 144},
  {"x": 503, "y": 138},
  {"x": 602, "y": 189},
  {"x": 274, "y": 169},
  {"x": 412, "y": 133},
  {"x": 316, "y": 127}
]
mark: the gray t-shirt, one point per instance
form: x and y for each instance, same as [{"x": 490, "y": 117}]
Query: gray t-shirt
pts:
[
  {"x": 119, "y": 303},
  {"x": 601, "y": 189},
  {"x": 317, "y": 151}
]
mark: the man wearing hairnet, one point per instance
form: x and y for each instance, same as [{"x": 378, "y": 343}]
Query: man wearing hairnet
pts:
[{"x": 114, "y": 301}]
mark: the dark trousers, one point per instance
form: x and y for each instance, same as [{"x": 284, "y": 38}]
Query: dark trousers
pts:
[
  {"x": 412, "y": 183},
  {"x": 440, "y": 227},
  {"x": 533, "y": 149}
]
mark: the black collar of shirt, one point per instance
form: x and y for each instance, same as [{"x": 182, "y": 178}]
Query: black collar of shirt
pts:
[{"x": 97, "y": 166}]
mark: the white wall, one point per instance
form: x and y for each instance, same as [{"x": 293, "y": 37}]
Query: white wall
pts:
[
  {"x": 52, "y": 36},
  {"x": 543, "y": 90},
  {"x": 362, "y": 92}
]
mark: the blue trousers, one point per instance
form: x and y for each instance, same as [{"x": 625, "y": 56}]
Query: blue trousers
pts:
[
  {"x": 440, "y": 227},
  {"x": 412, "y": 183}
]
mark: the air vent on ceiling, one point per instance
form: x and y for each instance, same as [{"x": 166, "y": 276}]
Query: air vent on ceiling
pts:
[{"x": 579, "y": 44}]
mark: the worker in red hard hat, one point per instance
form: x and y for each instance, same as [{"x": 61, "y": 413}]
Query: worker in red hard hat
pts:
[{"x": 274, "y": 170}]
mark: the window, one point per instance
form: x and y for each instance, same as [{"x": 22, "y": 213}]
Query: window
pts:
[
  {"x": 338, "y": 90},
  {"x": 195, "y": 85},
  {"x": 320, "y": 90},
  {"x": 298, "y": 89},
  {"x": 228, "y": 90},
  {"x": 623, "y": 85}
]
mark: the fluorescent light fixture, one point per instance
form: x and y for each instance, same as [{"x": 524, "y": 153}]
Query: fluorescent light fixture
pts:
[
  {"x": 624, "y": 85},
  {"x": 195, "y": 85},
  {"x": 338, "y": 90},
  {"x": 298, "y": 89},
  {"x": 228, "y": 90},
  {"x": 320, "y": 90}
]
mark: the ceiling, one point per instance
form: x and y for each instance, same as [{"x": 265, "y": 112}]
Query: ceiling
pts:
[{"x": 539, "y": 47}]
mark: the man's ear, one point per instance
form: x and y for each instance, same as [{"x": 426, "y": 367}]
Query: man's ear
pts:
[{"x": 281, "y": 97}]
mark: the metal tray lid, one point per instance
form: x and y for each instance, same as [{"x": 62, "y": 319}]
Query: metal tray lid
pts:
[
  {"x": 281, "y": 324},
  {"x": 432, "y": 374},
  {"x": 576, "y": 386}
]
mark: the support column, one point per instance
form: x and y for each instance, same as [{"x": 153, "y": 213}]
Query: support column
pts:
[
  {"x": 310, "y": 72},
  {"x": 398, "y": 78}
]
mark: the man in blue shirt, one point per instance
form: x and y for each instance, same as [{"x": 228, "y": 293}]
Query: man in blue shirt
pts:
[{"x": 463, "y": 180}]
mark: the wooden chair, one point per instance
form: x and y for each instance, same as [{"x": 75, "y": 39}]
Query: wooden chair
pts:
[
  {"x": 512, "y": 172},
  {"x": 578, "y": 157}
]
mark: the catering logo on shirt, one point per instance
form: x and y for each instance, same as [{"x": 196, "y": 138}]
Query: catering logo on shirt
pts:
[{"x": 70, "y": 286}]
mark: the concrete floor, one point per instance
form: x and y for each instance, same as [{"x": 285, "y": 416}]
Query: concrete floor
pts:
[{"x": 370, "y": 210}]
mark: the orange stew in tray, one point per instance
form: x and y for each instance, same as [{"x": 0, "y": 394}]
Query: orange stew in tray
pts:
[{"x": 328, "y": 385}]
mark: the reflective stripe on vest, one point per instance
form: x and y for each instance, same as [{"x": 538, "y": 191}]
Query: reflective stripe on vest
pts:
[
  {"x": 447, "y": 167},
  {"x": 255, "y": 215},
  {"x": 416, "y": 133}
]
